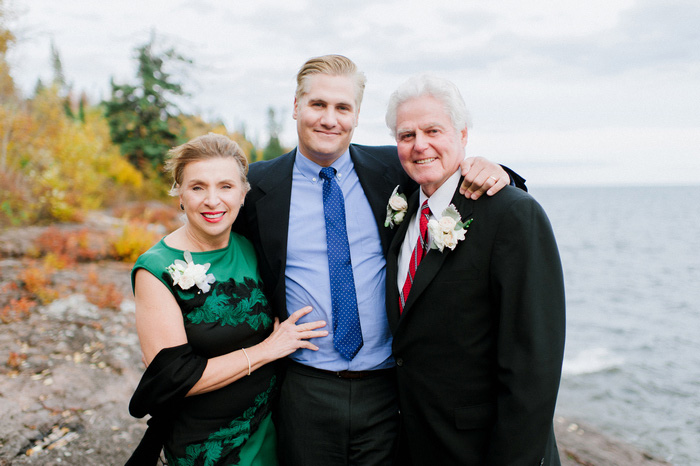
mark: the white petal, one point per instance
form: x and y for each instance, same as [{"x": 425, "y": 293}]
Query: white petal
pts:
[{"x": 188, "y": 257}]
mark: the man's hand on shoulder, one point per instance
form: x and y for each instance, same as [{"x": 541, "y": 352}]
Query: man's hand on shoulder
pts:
[{"x": 482, "y": 176}]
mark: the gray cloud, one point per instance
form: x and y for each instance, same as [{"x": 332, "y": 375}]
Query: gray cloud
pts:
[
  {"x": 531, "y": 83},
  {"x": 648, "y": 36}
]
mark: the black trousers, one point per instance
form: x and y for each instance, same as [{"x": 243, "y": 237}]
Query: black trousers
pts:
[{"x": 324, "y": 420}]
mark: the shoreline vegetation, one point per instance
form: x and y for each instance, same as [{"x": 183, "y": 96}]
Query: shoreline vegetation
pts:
[{"x": 70, "y": 357}]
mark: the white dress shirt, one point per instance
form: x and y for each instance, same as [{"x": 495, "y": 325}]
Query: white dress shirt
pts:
[{"x": 438, "y": 202}]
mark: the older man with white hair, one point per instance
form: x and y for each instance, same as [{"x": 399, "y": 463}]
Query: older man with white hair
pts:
[{"x": 475, "y": 301}]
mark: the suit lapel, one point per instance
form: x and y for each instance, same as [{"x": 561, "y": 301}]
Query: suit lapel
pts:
[
  {"x": 392, "y": 293},
  {"x": 272, "y": 209},
  {"x": 430, "y": 265},
  {"x": 376, "y": 186}
]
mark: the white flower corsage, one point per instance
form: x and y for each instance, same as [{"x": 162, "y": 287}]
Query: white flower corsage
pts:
[
  {"x": 447, "y": 231},
  {"x": 395, "y": 209},
  {"x": 187, "y": 274}
]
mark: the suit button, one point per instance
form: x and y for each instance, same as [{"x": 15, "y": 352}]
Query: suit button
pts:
[{"x": 399, "y": 362}]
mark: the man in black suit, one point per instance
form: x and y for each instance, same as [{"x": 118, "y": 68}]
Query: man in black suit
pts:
[
  {"x": 475, "y": 301},
  {"x": 334, "y": 409}
]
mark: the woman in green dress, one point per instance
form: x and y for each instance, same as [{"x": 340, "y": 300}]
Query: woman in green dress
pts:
[{"x": 207, "y": 333}]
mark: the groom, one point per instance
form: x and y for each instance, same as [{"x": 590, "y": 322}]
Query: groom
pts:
[{"x": 475, "y": 301}]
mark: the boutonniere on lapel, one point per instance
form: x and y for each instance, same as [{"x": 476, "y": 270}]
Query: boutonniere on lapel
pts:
[
  {"x": 448, "y": 230},
  {"x": 187, "y": 274},
  {"x": 395, "y": 209}
]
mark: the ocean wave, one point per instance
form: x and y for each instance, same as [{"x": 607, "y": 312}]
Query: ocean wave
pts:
[{"x": 590, "y": 361}]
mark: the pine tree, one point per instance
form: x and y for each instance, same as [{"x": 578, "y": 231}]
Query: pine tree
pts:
[
  {"x": 59, "y": 82},
  {"x": 59, "y": 78},
  {"x": 273, "y": 148},
  {"x": 143, "y": 118}
]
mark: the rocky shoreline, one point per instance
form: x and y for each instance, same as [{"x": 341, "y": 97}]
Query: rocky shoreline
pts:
[{"x": 68, "y": 369}]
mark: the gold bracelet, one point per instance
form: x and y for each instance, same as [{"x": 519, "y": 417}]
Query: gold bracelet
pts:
[{"x": 246, "y": 356}]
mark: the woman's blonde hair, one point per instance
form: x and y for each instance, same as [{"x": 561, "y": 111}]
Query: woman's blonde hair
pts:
[{"x": 204, "y": 147}]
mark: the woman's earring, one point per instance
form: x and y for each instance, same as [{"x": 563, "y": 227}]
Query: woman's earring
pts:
[{"x": 182, "y": 207}]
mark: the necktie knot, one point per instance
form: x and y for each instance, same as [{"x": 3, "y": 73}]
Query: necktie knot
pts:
[
  {"x": 425, "y": 208},
  {"x": 424, "y": 217},
  {"x": 327, "y": 173}
]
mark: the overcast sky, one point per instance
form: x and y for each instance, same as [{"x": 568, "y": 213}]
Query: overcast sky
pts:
[{"x": 565, "y": 92}]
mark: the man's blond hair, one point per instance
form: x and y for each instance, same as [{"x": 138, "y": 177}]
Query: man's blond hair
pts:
[{"x": 333, "y": 65}]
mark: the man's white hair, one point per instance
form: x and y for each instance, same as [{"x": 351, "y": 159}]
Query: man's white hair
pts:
[{"x": 422, "y": 85}]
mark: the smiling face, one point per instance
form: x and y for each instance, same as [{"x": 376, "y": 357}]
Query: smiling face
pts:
[
  {"x": 212, "y": 192},
  {"x": 326, "y": 117},
  {"x": 430, "y": 149}
]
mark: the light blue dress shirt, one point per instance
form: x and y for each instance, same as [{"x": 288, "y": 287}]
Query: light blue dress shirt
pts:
[{"x": 307, "y": 277}]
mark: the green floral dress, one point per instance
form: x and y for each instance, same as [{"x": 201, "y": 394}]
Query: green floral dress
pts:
[{"x": 231, "y": 425}]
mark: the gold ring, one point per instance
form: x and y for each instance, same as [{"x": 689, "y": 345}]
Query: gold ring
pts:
[{"x": 495, "y": 180}]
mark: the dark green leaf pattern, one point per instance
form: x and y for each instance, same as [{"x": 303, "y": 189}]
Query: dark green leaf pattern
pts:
[
  {"x": 218, "y": 305},
  {"x": 229, "y": 440}
]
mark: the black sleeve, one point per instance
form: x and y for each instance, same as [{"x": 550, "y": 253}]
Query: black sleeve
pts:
[
  {"x": 171, "y": 374},
  {"x": 516, "y": 180}
]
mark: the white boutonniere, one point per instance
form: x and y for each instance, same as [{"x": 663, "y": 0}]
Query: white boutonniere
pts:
[
  {"x": 396, "y": 209},
  {"x": 187, "y": 274},
  {"x": 448, "y": 230}
]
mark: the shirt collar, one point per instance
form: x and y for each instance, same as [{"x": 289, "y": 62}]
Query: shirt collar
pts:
[
  {"x": 442, "y": 197},
  {"x": 343, "y": 165}
]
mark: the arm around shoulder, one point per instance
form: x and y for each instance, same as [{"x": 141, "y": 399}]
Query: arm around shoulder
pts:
[{"x": 483, "y": 176}]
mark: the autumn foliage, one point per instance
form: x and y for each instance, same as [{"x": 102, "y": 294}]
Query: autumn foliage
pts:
[
  {"x": 56, "y": 168},
  {"x": 62, "y": 157},
  {"x": 66, "y": 247},
  {"x": 88, "y": 176}
]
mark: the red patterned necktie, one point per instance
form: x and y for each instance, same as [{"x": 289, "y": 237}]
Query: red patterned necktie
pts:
[{"x": 418, "y": 253}]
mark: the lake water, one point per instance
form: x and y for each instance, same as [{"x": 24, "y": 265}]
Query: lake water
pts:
[{"x": 631, "y": 260}]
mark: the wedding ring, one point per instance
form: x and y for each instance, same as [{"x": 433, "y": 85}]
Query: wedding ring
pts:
[{"x": 495, "y": 180}]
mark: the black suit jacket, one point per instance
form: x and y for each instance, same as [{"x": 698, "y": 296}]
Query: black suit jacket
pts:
[
  {"x": 480, "y": 343},
  {"x": 264, "y": 218}
]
